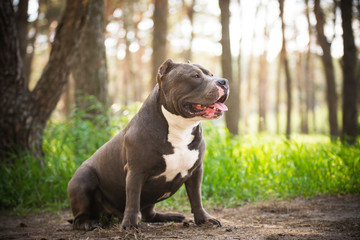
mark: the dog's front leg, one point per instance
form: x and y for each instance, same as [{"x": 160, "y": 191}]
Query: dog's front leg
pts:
[
  {"x": 134, "y": 182},
  {"x": 193, "y": 189}
]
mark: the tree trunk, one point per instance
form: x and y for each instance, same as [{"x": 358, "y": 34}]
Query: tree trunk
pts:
[
  {"x": 239, "y": 71},
  {"x": 358, "y": 65},
  {"x": 248, "y": 104},
  {"x": 13, "y": 91},
  {"x": 263, "y": 75},
  {"x": 263, "y": 72},
  {"x": 287, "y": 72},
  {"x": 138, "y": 73},
  {"x": 278, "y": 94},
  {"x": 189, "y": 9},
  {"x": 129, "y": 65},
  {"x": 129, "y": 74},
  {"x": 90, "y": 72},
  {"x": 239, "y": 63},
  {"x": 301, "y": 84},
  {"x": 22, "y": 27},
  {"x": 159, "y": 37},
  {"x": 312, "y": 97},
  {"x": 232, "y": 116},
  {"x": 349, "y": 133},
  {"x": 331, "y": 95},
  {"x": 67, "y": 98},
  {"x": 309, "y": 79},
  {"x": 23, "y": 114}
]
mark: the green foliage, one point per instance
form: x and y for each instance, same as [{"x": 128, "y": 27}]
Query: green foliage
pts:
[
  {"x": 249, "y": 168},
  {"x": 236, "y": 169},
  {"x": 25, "y": 184}
]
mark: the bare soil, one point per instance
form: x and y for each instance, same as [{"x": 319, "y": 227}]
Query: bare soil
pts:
[{"x": 323, "y": 217}]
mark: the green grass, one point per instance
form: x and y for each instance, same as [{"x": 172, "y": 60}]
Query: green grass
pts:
[
  {"x": 236, "y": 169},
  {"x": 255, "y": 168},
  {"x": 25, "y": 185}
]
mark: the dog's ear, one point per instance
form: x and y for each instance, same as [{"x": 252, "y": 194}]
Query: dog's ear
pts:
[{"x": 164, "y": 69}]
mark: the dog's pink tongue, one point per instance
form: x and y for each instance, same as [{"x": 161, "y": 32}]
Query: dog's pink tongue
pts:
[{"x": 221, "y": 106}]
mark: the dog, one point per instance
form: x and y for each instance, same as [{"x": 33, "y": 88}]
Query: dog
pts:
[{"x": 160, "y": 149}]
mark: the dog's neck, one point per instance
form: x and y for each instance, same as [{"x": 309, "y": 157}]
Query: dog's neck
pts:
[{"x": 179, "y": 127}]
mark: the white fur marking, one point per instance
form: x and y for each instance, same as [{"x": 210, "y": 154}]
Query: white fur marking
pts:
[{"x": 180, "y": 137}]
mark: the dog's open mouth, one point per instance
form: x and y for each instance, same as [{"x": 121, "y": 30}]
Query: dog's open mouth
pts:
[{"x": 208, "y": 111}]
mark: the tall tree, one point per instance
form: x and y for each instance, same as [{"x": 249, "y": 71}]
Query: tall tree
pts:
[
  {"x": 349, "y": 133},
  {"x": 160, "y": 16},
  {"x": 309, "y": 78},
  {"x": 24, "y": 113},
  {"x": 22, "y": 27},
  {"x": 326, "y": 58},
  {"x": 358, "y": 65},
  {"x": 232, "y": 116},
  {"x": 138, "y": 88},
  {"x": 249, "y": 77},
  {"x": 129, "y": 75},
  {"x": 301, "y": 84},
  {"x": 278, "y": 93},
  {"x": 263, "y": 79},
  {"x": 90, "y": 72},
  {"x": 189, "y": 10},
  {"x": 239, "y": 58},
  {"x": 287, "y": 71}
]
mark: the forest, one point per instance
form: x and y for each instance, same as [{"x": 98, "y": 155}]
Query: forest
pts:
[{"x": 74, "y": 73}]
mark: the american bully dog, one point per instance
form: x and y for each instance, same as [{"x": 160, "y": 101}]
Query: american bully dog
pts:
[{"x": 161, "y": 148}]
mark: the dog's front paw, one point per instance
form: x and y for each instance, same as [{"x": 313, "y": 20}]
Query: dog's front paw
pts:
[
  {"x": 202, "y": 217},
  {"x": 130, "y": 222}
]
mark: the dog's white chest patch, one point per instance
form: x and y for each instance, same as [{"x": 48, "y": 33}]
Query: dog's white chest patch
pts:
[{"x": 180, "y": 137}]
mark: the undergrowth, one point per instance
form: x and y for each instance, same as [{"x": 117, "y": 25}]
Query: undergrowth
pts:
[{"x": 236, "y": 169}]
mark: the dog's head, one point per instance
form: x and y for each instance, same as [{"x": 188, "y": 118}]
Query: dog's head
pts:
[{"x": 190, "y": 90}]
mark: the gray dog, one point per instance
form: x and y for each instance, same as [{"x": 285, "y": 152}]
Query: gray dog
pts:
[{"x": 161, "y": 148}]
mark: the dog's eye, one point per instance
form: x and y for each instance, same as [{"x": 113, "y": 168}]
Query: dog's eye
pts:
[
  {"x": 211, "y": 75},
  {"x": 196, "y": 76}
]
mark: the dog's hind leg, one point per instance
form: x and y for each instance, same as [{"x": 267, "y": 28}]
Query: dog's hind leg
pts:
[{"x": 85, "y": 199}]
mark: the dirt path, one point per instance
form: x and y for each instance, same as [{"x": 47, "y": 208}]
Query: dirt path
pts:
[{"x": 324, "y": 217}]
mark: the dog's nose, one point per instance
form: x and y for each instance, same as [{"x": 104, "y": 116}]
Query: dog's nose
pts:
[{"x": 222, "y": 82}]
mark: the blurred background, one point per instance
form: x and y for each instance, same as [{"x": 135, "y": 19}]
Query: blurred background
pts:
[{"x": 139, "y": 35}]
